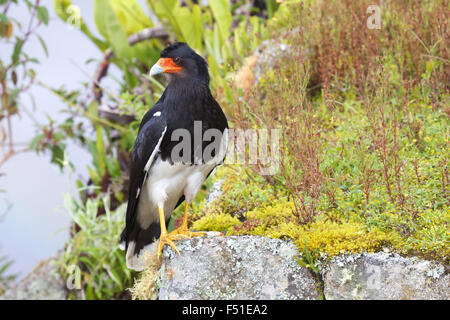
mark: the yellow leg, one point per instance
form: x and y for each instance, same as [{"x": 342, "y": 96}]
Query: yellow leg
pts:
[
  {"x": 183, "y": 229},
  {"x": 165, "y": 237}
]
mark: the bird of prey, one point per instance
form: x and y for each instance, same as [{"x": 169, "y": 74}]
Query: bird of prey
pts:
[{"x": 165, "y": 169}]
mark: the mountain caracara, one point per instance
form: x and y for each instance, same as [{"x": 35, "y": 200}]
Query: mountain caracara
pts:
[{"x": 163, "y": 175}]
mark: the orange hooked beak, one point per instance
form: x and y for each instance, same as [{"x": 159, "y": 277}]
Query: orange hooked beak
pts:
[{"x": 165, "y": 65}]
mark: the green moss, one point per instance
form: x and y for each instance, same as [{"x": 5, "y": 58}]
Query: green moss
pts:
[{"x": 216, "y": 222}]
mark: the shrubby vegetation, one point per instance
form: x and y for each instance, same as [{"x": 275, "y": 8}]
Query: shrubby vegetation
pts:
[
  {"x": 94, "y": 249},
  {"x": 365, "y": 128}
]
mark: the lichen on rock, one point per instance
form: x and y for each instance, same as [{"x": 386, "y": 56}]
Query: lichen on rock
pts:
[
  {"x": 385, "y": 276},
  {"x": 244, "y": 267}
]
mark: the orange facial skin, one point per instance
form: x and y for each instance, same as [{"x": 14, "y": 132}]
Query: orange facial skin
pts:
[{"x": 169, "y": 66}]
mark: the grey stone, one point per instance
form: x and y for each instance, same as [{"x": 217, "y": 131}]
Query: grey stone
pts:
[
  {"x": 43, "y": 283},
  {"x": 385, "y": 276},
  {"x": 214, "y": 192},
  {"x": 245, "y": 267},
  {"x": 270, "y": 53}
]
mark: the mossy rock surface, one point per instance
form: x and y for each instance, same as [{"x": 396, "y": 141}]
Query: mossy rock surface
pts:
[
  {"x": 244, "y": 267},
  {"x": 385, "y": 276},
  {"x": 43, "y": 283}
]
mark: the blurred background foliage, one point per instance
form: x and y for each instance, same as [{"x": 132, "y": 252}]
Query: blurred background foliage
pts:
[{"x": 17, "y": 76}]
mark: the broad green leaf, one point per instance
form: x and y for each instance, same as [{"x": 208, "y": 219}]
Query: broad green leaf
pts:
[
  {"x": 241, "y": 38},
  {"x": 222, "y": 15},
  {"x": 206, "y": 18},
  {"x": 57, "y": 156},
  {"x": 103, "y": 11},
  {"x": 197, "y": 26},
  {"x": 109, "y": 27},
  {"x": 130, "y": 15},
  {"x": 36, "y": 141},
  {"x": 190, "y": 29},
  {"x": 164, "y": 11},
  {"x": 17, "y": 50},
  {"x": 60, "y": 7},
  {"x": 272, "y": 6},
  {"x": 89, "y": 293},
  {"x": 3, "y": 19},
  {"x": 42, "y": 14}
]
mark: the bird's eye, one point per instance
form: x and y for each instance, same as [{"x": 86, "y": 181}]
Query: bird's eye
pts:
[{"x": 176, "y": 59}]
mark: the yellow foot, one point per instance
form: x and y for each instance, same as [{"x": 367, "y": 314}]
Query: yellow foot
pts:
[
  {"x": 168, "y": 239},
  {"x": 184, "y": 232}
]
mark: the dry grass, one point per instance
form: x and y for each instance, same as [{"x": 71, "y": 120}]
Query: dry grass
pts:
[{"x": 146, "y": 286}]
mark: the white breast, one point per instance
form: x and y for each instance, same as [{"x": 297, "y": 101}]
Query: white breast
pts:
[{"x": 166, "y": 183}]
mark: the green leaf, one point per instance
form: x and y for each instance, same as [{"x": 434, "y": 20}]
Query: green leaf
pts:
[
  {"x": 272, "y": 6},
  {"x": 93, "y": 151},
  {"x": 60, "y": 7},
  {"x": 189, "y": 29},
  {"x": 17, "y": 50},
  {"x": 57, "y": 155},
  {"x": 130, "y": 15},
  {"x": 3, "y": 19},
  {"x": 42, "y": 14},
  {"x": 109, "y": 27},
  {"x": 222, "y": 15},
  {"x": 113, "y": 167},
  {"x": 44, "y": 46},
  {"x": 101, "y": 151},
  {"x": 165, "y": 11},
  {"x": 213, "y": 67},
  {"x": 36, "y": 141},
  {"x": 197, "y": 27},
  {"x": 90, "y": 292}
]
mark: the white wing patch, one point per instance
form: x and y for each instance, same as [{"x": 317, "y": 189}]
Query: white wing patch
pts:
[
  {"x": 157, "y": 114},
  {"x": 138, "y": 192},
  {"x": 155, "y": 151},
  {"x": 150, "y": 160}
]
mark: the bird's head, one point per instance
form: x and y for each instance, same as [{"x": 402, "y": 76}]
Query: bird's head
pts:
[{"x": 179, "y": 61}]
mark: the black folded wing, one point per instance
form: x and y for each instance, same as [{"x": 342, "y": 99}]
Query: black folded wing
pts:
[{"x": 145, "y": 150}]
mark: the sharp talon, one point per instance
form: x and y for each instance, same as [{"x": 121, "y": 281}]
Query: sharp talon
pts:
[
  {"x": 168, "y": 239},
  {"x": 174, "y": 247}
]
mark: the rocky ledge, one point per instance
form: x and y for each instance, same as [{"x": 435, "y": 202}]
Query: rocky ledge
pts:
[
  {"x": 43, "y": 283},
  {"x": 385, "y": 276},
  {"x": 245, "y": 267},
  {"x": 250, "y": 267}
]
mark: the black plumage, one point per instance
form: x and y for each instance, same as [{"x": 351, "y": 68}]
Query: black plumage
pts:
[{"x": 186, "y": 99}]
